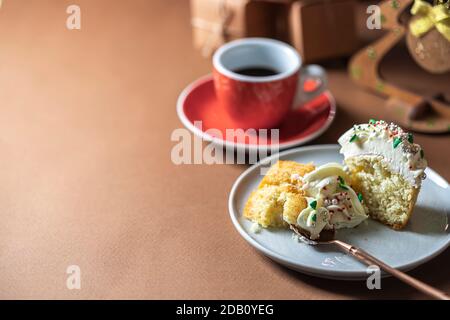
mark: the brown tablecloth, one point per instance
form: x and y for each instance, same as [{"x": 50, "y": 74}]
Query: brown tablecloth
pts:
[{"x": 85, "y": 172}]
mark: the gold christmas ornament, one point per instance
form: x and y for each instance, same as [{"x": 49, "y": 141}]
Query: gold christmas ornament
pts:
[
  {"x": 428, "y": 17},
  {"x": 428, "y": 36}
]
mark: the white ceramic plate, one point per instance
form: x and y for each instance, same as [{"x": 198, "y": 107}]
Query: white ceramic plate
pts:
[{"x": 425, "y": 236}]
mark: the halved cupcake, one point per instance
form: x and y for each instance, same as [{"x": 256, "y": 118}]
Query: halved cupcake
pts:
[
  {"x": 386, "y": 167},
  {"x": 279, "y": 198},
  {"x": 312, "y": 199}
]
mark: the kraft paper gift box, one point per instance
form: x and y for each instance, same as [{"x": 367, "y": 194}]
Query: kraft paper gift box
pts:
[
  {"x": 323, "y": 29},
  {"x": 318, "y": 29},
  {"x": 215, "y": 22}
]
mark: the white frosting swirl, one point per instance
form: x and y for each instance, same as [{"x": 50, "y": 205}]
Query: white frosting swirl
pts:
[
  {"x": 389, "y": 141},
  {"x": 332, "y": 204}
]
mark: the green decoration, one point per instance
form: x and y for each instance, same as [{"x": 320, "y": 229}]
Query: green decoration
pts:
[
  {"x": 342, "y": 183},
  {"x": 356, "y": 72},
  {"x": 371, "y": 53},
  {"x": 379, "y": 86},
  {"x": 397, "y": 141},
  {"x": 410, "y": 138},
  {"x": 360, "y": 197}
]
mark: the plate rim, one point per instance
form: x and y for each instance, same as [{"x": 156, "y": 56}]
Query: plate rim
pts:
[
  {"x": 242, "y": 146},
  {"x": 329, "y": 274}
]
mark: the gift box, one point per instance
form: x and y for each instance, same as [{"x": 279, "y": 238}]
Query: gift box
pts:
[
  {"x": 318, "y": 29},
  {"x": 215, "y": 22},
  {"x": 428, "y": 36},
  {"x": 323, "y": 29}
]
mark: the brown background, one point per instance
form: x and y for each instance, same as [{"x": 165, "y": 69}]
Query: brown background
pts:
[{"x": 85, "y": 170}]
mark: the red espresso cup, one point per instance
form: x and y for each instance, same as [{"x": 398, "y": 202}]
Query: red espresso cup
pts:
[{"x": 258, "y": 80}]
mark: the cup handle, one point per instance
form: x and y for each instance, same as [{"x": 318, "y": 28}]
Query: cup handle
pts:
[{"x": 312, "y": 82}]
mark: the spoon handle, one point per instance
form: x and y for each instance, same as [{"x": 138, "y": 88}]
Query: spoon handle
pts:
[{"x": 371, "y": 260}]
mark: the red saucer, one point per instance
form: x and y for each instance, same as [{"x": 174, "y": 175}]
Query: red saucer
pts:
[{"x": 198, "y": 103}]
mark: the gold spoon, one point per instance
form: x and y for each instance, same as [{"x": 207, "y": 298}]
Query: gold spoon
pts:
[{"x": 363, "y": 256}]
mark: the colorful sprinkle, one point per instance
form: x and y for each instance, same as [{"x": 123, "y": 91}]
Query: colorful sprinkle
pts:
[
  {"x": 342, "y": 183},
  {"x": 314, "y": 217},
  {"x": 353, "y": 138},
  {"x": 360, "y": 197},
  {"x": 313, "y": 204},
  {"x": 397, "y": 141},
  {"x": 372, "y": 121},
  {"x": 410, "y": 138}
]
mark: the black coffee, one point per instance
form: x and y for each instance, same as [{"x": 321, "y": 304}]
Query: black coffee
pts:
[{"x": 256, "y": 71}]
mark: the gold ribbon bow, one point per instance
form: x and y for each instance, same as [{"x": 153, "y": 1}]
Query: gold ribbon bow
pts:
[{"x": 430, "y": 17}]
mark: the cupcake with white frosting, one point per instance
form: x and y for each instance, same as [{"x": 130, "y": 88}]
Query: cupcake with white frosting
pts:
[
  {"x": 312, "y": 199},
  {"x": 386, "y": 167},
  {"x": 332, "y": 203}
]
